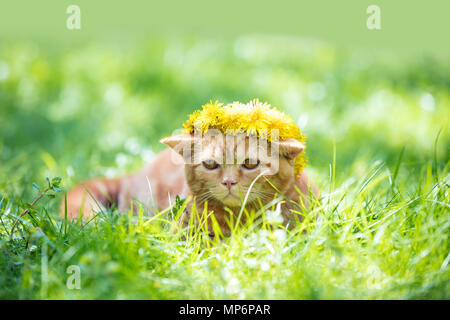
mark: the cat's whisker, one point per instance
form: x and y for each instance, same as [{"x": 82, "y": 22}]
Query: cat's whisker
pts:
[
  {"x": 207, "y": 195},
  {"x": 262, "y": 194}
]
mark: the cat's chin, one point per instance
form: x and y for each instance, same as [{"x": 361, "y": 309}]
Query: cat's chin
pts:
[{"x": 231, "y": 201}]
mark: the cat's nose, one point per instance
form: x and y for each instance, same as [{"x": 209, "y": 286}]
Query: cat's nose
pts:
[{"x": 229, "y": 183}]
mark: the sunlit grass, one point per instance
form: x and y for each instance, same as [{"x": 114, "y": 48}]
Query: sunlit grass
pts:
[{"x": 373, "y": 237}]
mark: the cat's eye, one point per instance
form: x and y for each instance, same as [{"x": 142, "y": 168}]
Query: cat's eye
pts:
[
  {"x": 250, "y": 164},
  {"x": 210, "y": 164}
]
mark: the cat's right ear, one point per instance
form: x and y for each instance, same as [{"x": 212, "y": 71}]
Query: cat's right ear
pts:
[
  {"x": 180, "y": 139},
  {"x": 182, "y": 144}
]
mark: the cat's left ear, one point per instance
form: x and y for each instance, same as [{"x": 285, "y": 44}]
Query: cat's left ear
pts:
[{"x": 290, "y": 148}]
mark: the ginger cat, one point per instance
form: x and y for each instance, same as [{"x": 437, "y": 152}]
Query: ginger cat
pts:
[{"x": 205, "y": 175}]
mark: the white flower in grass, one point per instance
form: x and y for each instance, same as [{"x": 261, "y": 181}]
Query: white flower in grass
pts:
[
  {"x": 265, "y": 266},
  {"x": 274, "y": 216},
  {"x": 251, "y": 262},
  {"x": 280, "y": 235},
  {"x": 233, "y": 286}
]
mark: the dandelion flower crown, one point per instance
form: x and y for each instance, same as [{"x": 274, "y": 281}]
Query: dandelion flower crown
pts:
[{"x": 253, "y": 118}]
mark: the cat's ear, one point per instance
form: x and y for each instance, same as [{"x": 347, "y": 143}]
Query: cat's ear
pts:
[
  {"x": 290, "y": 148},
  {"x": 182, "y": 143},
  {"x": 174, "y": 141}
]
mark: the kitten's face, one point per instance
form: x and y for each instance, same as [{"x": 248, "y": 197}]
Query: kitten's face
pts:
[{"x": 224, "y": 170}]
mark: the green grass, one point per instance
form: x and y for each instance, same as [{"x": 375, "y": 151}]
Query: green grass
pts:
[{"x": 377, "y": 144}]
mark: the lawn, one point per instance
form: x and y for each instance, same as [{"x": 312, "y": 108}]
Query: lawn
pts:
[{"x": 377, "y": 147}]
